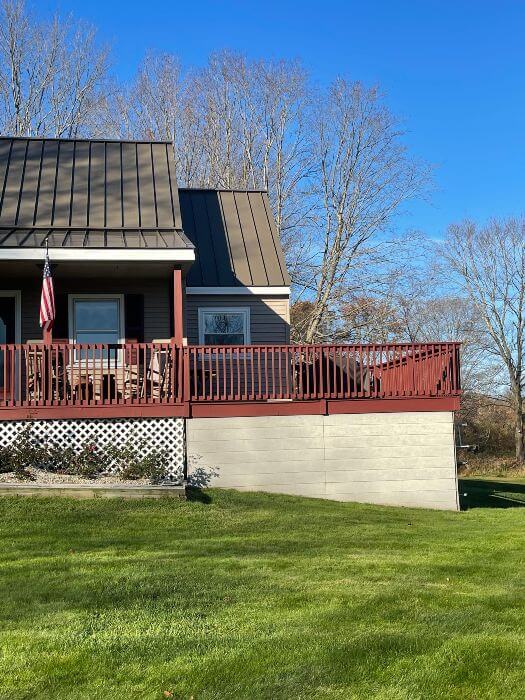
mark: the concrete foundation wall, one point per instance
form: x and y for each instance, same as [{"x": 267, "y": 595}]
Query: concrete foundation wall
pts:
[{"x": 405, "y": 459}]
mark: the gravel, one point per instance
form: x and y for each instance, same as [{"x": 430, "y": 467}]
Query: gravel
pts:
[{"x": 42, "y": 477}]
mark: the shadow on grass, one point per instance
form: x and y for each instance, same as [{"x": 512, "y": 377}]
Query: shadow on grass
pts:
[
  {"x": 481, "y": 493},
  {"x": 197, "y": 495}
]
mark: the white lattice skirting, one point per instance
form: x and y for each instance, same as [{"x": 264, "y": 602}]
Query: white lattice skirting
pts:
[{"x": 155, "y": 434}]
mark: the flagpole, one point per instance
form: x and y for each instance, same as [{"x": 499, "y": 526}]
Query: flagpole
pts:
[{"x": 48, "y": 332}]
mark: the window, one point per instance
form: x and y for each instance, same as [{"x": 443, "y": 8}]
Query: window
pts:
[
  {"x": 9, "y": 333},
  {"x": 224, "y": 326},
  {"x": 96, "y": 319}
]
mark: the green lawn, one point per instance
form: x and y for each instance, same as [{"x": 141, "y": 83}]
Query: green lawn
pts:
[{"x": 256, "y": 596}]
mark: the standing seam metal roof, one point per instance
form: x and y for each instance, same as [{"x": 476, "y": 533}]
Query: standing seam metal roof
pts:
[
  {"x": 78, "y": 193},
  {"x": 88, "y": 193},
  {"x": 235, "y": 237}
]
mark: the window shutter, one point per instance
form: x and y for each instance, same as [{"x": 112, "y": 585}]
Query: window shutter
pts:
[
  {"x": 134, "y": 316},
  {"x": 61, "y": 325}
]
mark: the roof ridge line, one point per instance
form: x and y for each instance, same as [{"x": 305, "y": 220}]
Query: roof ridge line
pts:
[
  {"x": 220, "y": 189},
  {"x": 50, "y": 227},
  {"x": 7, "y": 137}
]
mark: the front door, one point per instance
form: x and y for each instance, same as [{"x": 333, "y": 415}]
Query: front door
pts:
[{"x": 7, "y": 336}]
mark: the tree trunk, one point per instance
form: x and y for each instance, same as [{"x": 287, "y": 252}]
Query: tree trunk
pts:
[
  {"x": 518, "y": 411},
  {"x": 311, "y": 331}
]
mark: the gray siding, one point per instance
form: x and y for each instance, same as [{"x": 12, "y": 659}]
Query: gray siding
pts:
[
  {"x": 269, "y": 316},
  {"x": 403, "y": 459},
  {"x": 156, "y": 302}
]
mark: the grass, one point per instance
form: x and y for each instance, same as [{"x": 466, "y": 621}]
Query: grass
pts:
[{"x": 257, "y": 596}]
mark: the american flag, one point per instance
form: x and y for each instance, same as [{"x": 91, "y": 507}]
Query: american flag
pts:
[{"x": 47, "y": 299}]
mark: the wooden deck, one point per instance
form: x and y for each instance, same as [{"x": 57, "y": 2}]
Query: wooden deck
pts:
[{"x": 63, "y": 380}]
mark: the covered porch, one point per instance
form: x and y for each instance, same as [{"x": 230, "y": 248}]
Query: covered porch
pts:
[{"x": 117, "y": 324}]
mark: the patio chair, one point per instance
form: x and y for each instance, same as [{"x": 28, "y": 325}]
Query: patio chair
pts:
[
  {"x": 34, "y": 360},
  {"x": 159, "y": 370},
  {"x": 44, "y": 372}
]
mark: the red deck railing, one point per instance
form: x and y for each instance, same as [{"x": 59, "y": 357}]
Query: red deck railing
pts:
[
  {"x": 162, "y": 374},
  {"x": 305, "y": 372},
  {"x": 65, "y": 374}
]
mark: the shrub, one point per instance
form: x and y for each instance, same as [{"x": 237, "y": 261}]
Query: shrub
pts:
[
  {"x": 490, "y": 424},
  {"x": 24, "y": 453},
  {"x": 5, "y": 460},
  {"x": 89, "y": 461},
  {"x": 153, "y": 466},
  {"x": 60, "y": 460},
  {"x": 24, "y": 475},
  {"x": 27, "y": 452},
  {"x": 129, "y": 464},
  {"x": 486, "y": 464}
]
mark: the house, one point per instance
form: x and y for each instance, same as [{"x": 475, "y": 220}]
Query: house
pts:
[{"x": 172, "y": 324}]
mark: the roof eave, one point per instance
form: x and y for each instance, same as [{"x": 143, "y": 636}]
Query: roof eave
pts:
[{"x": 174, "y": 255}]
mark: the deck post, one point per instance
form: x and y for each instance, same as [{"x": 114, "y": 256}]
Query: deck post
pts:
[
  {"x": 178, "y": 330},
  {"x": 178, "y": 341}
]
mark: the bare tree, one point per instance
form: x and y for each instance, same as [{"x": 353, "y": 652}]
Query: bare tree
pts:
[
  {"x": 160, "y": 104},
  {"x": 489, "y": 264},
  {"x": 333, "y": 163},
  {"x": 370, "y": 319},
  {"x": 285, "y": 158},
  {"x": 235, "y": 124},
  {"x": 448, "y": 317},
  {"x": 254, "y": 134},
  {"x": 300, "y": 312},
  {"x": 51, "y": 74},
  {"x": 365, "y": 176},
  {"x": 157, "y": 97},
  {"x": 335, "y": 168}
]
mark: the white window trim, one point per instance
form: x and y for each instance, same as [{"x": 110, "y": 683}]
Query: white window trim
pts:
[
  {"x": 97, "y": 297},
  {"x": 244, "y": 310},
  {"x": 17, "y": 296},
  {"x": 101, "y": 254},
  {"x": 239, "y": 291}
]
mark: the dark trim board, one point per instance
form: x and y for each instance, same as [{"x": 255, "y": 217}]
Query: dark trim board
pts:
[
  {"x": 399, "y": 405},
  {"x": 77, "y": 412},
  {"x": 321, "y": 407},
  {"x": 257, "y": 408},
  {"x": 217, "y": 409}
]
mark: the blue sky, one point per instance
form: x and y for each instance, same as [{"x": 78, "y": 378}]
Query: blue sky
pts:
[{"x": 454, "y": 71}]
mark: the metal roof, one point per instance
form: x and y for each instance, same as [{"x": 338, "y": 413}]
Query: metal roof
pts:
[
  {"x": 235, "y": 237},
  {"x": 80, "y": 193},
  {"x": 93, "y": 238}
]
